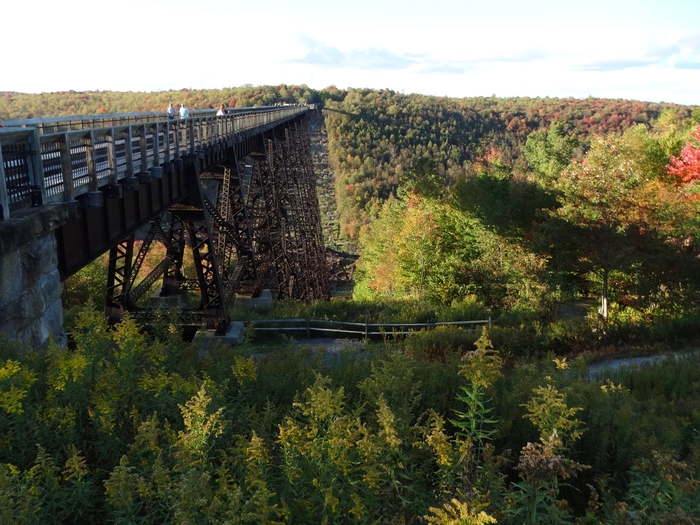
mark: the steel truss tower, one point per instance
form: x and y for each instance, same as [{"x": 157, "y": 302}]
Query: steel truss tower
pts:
[{"x": 247, "y": 224}]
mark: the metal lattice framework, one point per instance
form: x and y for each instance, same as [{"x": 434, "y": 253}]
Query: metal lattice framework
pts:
[{"x": 247, "y": 224}]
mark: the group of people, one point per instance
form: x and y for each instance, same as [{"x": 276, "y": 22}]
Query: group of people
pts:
[{"x": 185, "y": 111}]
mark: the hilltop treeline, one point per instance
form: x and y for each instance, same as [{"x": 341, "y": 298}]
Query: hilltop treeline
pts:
[{"x": 24, "y": 105}]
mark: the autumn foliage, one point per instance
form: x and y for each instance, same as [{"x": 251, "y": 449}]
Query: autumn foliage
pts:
[{"x": 687, "y": 166}]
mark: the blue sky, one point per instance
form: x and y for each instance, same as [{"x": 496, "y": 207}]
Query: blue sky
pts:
[{"x": 644, "y": 49}]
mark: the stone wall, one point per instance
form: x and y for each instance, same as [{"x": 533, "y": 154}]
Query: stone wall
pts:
[{"x": 30, "y": 284}]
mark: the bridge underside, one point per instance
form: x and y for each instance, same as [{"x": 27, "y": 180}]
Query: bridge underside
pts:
[{"x": 224, "y": 221}]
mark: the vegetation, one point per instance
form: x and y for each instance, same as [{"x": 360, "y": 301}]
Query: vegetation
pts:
[
  {"x": 619, "y": 221},
  {"x": 462, "y": 209},
  {"x": 125, "y": 429}
]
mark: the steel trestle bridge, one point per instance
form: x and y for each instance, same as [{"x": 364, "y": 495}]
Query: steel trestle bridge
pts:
[{"x": 200, "y": 209}]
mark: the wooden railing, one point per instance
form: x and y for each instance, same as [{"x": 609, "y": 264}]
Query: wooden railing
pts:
[
  {"x": 345, "y": 328},
  {"x": 53, "y": 160}
]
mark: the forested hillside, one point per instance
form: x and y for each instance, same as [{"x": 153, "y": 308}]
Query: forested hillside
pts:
[
  {"x": 520, "y": 204},
  {"x": 375, "y": 136}
]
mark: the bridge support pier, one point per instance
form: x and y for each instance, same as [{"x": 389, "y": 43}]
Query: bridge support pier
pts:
[
  {"x": 30, "y": 284},
  {"x": 234, "y": 336},
  {"x": 263, "y": 302}
]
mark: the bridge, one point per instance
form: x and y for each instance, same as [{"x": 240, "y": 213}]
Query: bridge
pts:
[{"x": 193, "y": 212}]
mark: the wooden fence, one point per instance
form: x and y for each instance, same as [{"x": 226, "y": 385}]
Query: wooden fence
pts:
[{"x": 344, "y": 328}]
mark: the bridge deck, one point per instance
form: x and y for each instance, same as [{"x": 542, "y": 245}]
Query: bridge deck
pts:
[{"x": 54, "y": 160}]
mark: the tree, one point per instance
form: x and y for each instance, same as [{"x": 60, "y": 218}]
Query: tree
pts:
[
  {"x": 419, "y": 248},
  {"x": 687, "y": 166},
  {"x": 596, "y": 194},
  {"x": 548, "y": 154},
  {"x": 377, "y": 270},
  {"x": 633, "y": 226},
  {"x": 424, "y": 179}
]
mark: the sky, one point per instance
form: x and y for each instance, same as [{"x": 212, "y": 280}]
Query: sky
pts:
[{"x": 645, "y": 50}]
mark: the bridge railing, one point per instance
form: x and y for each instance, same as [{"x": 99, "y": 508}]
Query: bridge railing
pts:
[
  {"x": 48, "y": 125},
  {"x": 47, "y": 161}
]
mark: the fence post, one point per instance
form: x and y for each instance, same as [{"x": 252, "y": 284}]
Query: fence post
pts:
[
  {"x": 366, "y": 330},
  {"x": 143, "y": 148},
  {"x": 112, "y": 156},
  {"x": 176, "y": 139},
  {"x": 489, "y": 324},
  {"x": 129, "y": 152},
  {"x": 166, "y": 141},
  {"x": 155, "y": 129},
  {"x": 191, "y": 145},
  {"x": 38, "y": 168},
  {"x": 308, "y": 331},
  {"x": 91, "y": 165},
  {"x": 4, "y": 199},
  {"x": 66, "y": 168}
]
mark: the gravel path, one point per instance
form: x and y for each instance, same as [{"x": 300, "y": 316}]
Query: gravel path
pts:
[{"x": 615, "y": 364}]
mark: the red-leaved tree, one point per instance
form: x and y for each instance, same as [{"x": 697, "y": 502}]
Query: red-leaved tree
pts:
[{"x": 687, "y": 166}]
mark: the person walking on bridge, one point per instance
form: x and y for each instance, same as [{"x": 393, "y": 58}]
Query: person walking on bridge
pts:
[
  {"x": 222, "y": 111},
  {"x": 171, "y": 112},
  {"x": 184, "y": 111}
]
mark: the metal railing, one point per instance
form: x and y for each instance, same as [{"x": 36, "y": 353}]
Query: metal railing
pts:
[
  {"x": 53, "y": 160},
  {"x": 48, "y": 125},
  {"x": 346, "y": 328}
]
